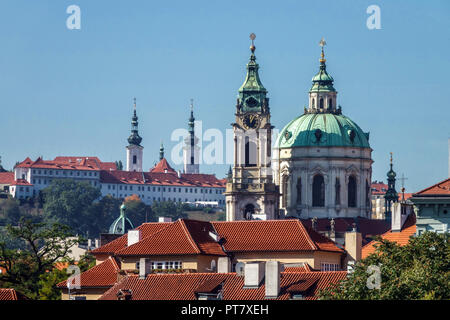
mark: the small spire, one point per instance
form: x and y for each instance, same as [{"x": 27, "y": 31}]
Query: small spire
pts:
[{"x": 161, "y": 151}]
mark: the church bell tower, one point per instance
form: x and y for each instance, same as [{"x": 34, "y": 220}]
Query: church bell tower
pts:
[
  {"x": 250, "y": 191},
  {"x": 134, "y": 149}
]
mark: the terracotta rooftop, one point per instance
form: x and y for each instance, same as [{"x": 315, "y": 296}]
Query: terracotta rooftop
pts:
[
  {"x": 11, "y": 294},
  {"x": 101, "y": 275},
  {"x": 146, "y": 229},
  {"x": 7, "y": 178},
  {"x": 258, "y": 235},
  {"x": 402, "y": 237},
  {"x": 163, "y": 167},
  {"x": 367, "y": 227},
  {"x": 183, "y": 237},
  {"x": 439, "y": 189},
  {"x": 187, "y": 286},
  {"x": 68, "y": 163}
]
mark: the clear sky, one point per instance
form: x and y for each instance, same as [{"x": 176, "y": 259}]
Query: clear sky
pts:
[{"x": 69, "y": 92}]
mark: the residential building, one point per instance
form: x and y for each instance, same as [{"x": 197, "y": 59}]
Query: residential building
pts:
[{"x": 432, "y": 207}]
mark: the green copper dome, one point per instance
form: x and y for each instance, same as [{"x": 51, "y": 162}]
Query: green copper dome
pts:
[
  {"x": 322, "y": 130},
  {"x": 122, "y": 224}
]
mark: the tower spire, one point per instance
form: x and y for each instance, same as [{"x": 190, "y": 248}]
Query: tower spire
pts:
[
  {"x": 252, "y": 94},
  {"x": 391, "y": 195},
  {"x": 322, "y": 95},
  {"x": 161, "y": 151},
  {"x": 134, "y": 138}
]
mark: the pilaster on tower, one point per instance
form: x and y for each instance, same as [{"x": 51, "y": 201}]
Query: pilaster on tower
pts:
[{"x": 134, "y": 149}]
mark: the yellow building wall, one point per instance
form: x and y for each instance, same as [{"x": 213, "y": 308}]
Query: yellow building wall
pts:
[
  {"x": 89, "y": 293},
  {"x": 200, "y": 263},
  {"x": 314, "y": 259}
]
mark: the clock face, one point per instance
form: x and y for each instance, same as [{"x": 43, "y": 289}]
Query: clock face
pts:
[{"x": 251, "y": 121}]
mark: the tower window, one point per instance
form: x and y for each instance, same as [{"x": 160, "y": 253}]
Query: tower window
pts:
[
  {"x": 134, "y": 159},
  {"x": 330, "y": 103},
  {"x": 321, "y": 103},
  {"x": 318, "y": 191},
  {"x": 313, "y": 103},
  {"x": 249, "y": 210},
  {"x": 192, "y": 160},
  {"x": 250, "y": 154},
  {"x": 351, "y": 192}
]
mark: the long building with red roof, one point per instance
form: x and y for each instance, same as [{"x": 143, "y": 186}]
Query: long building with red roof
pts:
[{"x": 160, "y": 183}]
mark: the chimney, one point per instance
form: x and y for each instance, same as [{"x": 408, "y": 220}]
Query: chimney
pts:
[
  {"x": 253, "y": 274},
  {"x": 353, "y": 244},
  {"x": 145, "y": 267},
  {"x": 134, "y": 236},
  {"x": 89, "y": 245},
  {"x": 97, "y": 243},
  {"x": 273, "y": 276},
  {"x": 224, "y": 265},
  {"x": 396, "y": 221},
  {"x": 164, "y": 219}
]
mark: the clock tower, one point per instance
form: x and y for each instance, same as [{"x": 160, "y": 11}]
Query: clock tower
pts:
[{"x": 250, "y": 191}]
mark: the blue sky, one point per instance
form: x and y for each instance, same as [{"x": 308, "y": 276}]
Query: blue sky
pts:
[{"x": 69, "y": 92}]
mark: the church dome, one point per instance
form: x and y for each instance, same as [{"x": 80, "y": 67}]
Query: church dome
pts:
[{"x": 322, "y": 130}]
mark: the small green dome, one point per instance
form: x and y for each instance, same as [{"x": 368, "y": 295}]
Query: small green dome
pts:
[{"x": 322, "y": 130}]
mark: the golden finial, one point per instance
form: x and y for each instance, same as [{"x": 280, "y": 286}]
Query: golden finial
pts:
[
  {"x": 322, "y": 43},
  {"x": 391, "y": 156},
  {"x": 252, "y": 47}
]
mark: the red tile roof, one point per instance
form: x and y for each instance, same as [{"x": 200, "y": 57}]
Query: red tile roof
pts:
[
  {"x": 7, "y": 178},
  {"x": 439, "y": 189},
  {"x": 180, "y": 238},
  {"x": 187, "y": 286},
  {"x": 8, "y": 294},
  {"x": 101, "y": 275},
  {"x": 21, "y": 182},
  {"x": 68, "y": 163},
  {"x": 257, "y": 236},
  {"x": 11, "y": 294},
  {"x": 367, "y": 227},
  {"x": 146, "y": 229},
  {"x": 163, "y": 167},
  {"x": 402, "y": 237}
]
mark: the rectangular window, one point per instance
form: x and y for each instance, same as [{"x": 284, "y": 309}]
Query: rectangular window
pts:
[{"x": 329, "y": 267}]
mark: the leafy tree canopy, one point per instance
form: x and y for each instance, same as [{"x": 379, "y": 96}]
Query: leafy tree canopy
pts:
[
  {"x": 418, "y": 270},
  {"x": 42, "y": 244}
]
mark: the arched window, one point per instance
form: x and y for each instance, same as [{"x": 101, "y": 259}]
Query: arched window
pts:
[
  {"x": 284, "y": 191},
  {"x": 250, "y": 153},
  {"x": 330, "y": 103},
  {"x": 318, "y": 191},
  {"x": 134, "y": 159},
  {"x": 249, "y": 210},
  {"x": 351, "y": 192},
  {"x": 299, "y": 191},
  {"x": 321, "y": 103}
]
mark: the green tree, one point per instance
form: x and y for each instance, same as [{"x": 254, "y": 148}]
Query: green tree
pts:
[
  {"x": 170, "y": 209},
  {"x": 418, "y": 270},
  {"x": 119, "y": 165},
  {"x": 71, "y": 203},
  {"x": 42, "y": 244},
  {"x": 49, "y": 280}
]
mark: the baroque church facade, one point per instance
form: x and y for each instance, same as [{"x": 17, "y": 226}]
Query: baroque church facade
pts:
[
  {"x": 322, "y": 159},
  {"x": 320, "y": 166}
]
